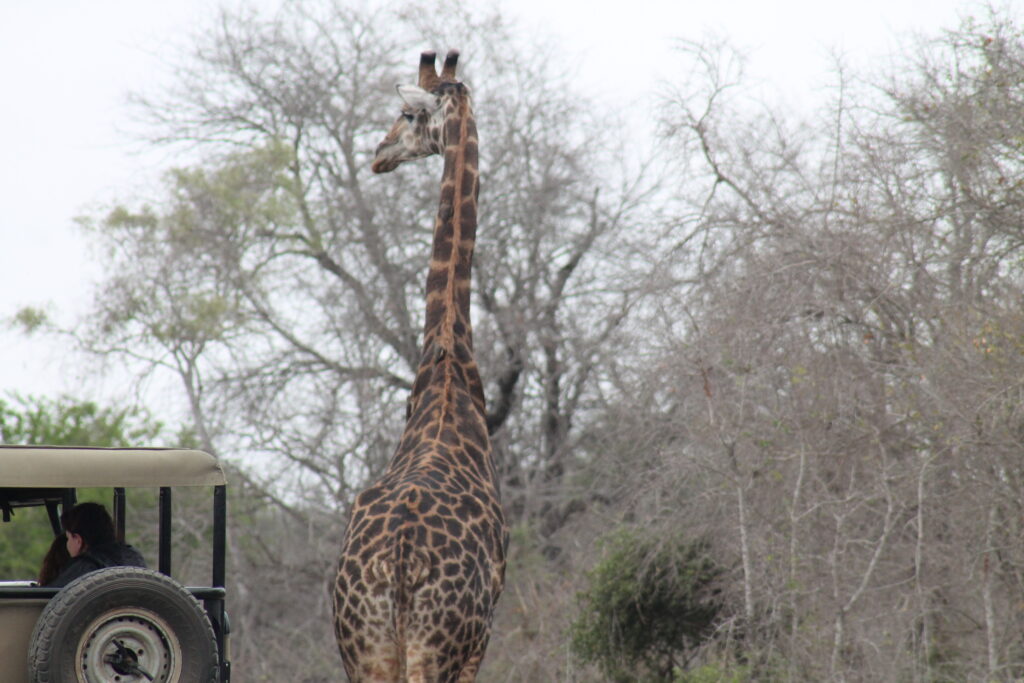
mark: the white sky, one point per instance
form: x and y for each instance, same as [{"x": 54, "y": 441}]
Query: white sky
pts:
[{"x": 66, "y": 65}]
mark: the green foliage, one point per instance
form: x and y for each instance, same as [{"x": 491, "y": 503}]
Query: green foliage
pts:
[
  {"x": 68, "y": 422},
  {"x": 183, "y": 267},
  {"x": 29, "y": 319},
  {"x": 649, "y": 603},
  {"x": 23, "y": 543},
  {"x": 61, "y": 422}
]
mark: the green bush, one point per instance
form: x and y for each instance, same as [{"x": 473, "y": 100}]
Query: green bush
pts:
[
  {"x": 649, "y": 603},
  {"x": 709, "y": 673}
]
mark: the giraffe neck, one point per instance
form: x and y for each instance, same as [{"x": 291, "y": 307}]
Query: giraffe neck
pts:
[{"x": 447, "y": 335}]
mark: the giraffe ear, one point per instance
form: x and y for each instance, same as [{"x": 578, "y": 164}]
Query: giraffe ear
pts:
[{"x": 418, "y": 99}]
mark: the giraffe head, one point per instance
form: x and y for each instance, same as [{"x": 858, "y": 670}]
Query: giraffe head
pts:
[{"x": 419, "y": 130}]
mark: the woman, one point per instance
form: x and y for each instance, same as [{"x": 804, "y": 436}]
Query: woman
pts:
[{"x": 91, "y": 544}]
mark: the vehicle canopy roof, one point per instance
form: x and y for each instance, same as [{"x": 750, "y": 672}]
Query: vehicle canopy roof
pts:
[{"x": 74, "y": 467}]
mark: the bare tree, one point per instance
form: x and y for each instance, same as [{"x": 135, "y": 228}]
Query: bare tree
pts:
[
  {"x": 279, "y": 287},
  {"x": 800, "y": 339},
  {"x": 834, "y": 395}
]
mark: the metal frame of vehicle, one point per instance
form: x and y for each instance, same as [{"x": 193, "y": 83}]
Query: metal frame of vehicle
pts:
[{"x": 50, "y": 476}]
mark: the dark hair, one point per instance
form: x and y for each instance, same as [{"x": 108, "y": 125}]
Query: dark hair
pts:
[
  {"x": 55, "y": 560},
  {"x": 91, "y": 521}
]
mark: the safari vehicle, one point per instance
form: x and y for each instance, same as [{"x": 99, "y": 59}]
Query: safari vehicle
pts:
[{"x": 118, "y": 623}]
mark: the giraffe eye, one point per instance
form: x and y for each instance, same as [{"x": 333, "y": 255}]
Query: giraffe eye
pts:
[{"x": 407, "y": 116}]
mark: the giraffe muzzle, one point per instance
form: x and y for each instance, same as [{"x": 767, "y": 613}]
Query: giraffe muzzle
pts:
[
  {"x": 384, "y": 159},
  {"x": 383, "y": 166}
]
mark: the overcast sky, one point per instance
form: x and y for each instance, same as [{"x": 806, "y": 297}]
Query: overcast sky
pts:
[{"x": 66, "y": 65}]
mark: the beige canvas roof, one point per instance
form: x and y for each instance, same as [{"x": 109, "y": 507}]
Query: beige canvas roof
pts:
[{"x": 58, "y": 467}]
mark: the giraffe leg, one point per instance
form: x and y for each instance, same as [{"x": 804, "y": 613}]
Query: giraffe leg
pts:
[
  {"x": 377, "y": 666},
  {"x": 468, "y": 673},
  {"x": 420, "y": 666},
  {"x": 472, "y": 666}
]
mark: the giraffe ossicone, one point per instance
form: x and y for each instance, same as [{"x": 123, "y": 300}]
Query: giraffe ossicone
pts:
[{"x": 423, "y": 560}]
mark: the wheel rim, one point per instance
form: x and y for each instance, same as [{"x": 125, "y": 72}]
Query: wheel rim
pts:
[{"x": 132, "y": 644}]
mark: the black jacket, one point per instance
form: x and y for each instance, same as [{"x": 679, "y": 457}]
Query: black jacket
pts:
[{"x": 98, "y": 557}]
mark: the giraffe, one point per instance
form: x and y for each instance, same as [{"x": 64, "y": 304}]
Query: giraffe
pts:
[{"x": 423, "y": 560}]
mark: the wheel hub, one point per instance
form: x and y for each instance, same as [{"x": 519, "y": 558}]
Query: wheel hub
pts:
[{"x": 131, "y": 644}]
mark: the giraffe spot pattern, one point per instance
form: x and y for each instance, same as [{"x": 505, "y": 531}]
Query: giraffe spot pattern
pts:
[{"x": 423, "y": 558}]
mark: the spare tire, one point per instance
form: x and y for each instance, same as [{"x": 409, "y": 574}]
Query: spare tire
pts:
[{"x": 123, "y": 623}]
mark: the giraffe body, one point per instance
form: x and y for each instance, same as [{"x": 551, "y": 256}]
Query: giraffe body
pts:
[{"x": 423, "y": 560}]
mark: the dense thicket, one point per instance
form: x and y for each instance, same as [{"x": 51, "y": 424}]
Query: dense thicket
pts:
[
  {"x": 838, "y": 397},
  {"x": 797, "y": 338}
]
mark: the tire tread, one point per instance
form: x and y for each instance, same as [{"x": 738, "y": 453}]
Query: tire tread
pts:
[{"x": 58, "y": 609}]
